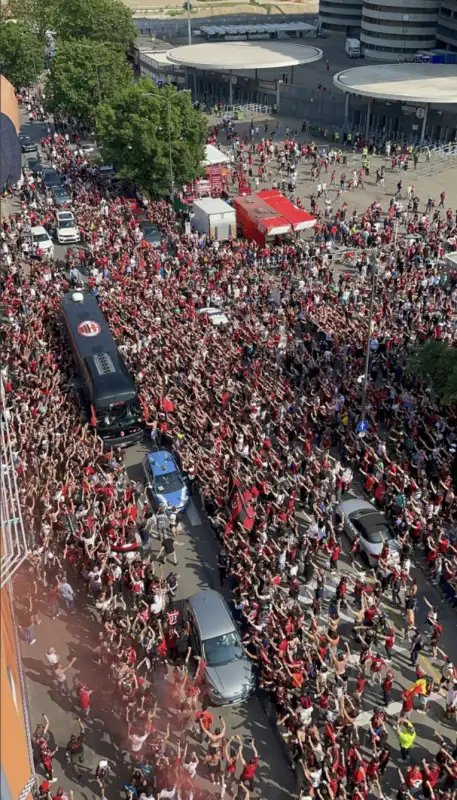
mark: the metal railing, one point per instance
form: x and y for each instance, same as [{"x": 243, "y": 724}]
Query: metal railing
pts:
[
  {"x": 247, "y": 108},
  {"x": 14, "y": 541}
]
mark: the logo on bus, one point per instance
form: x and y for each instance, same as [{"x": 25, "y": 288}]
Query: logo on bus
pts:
[{"x": 89, "y": 328}]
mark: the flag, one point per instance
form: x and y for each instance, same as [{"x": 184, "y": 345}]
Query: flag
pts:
[
  {"x": 93, "y": 418},
  {"x": 242, "y": 512},
  {"x": 167, "y": 405},
  {"x": 419, "y": 687}
]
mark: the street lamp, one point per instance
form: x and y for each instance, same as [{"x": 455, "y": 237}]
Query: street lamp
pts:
[
  {"x": 375, "y": 270},
  {"x": 170, "y": 155}
]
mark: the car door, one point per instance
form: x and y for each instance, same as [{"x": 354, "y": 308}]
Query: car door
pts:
[{"x": 194, "y": 633}]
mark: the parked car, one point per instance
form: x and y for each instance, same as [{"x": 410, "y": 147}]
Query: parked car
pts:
[
  {"x": 215, "y": 315},
  {"x": 228, "y": 672},
  {"x": 27, "y": 144},
  {"x": 51, "y": 177},
  {"x": 40, "y": 236},
  {"x": 34, "y": 166},
  {"x": 66, "y": 228},
  {"x": 151, "y": 233},
  {"x": 165, "y": 482},
  {"x": 362, "y": 519},
  {"x": 60, "y": 196}
]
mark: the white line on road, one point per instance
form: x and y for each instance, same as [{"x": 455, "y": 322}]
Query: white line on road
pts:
[{"x": 193, "y": 516}]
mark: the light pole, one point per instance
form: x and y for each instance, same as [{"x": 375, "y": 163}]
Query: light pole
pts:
[
  {"x": 189, "y": 25},
  {"x": 172, "y": 177},
  {"x": 368, "y": 349},
  {"x": 170, "y": 154}
]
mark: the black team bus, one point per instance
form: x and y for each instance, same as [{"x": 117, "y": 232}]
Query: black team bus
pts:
[{"x": 108, "y": 394}]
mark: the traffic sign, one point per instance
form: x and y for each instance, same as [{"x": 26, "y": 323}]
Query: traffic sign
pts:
[{"x": 362, "y": 426}]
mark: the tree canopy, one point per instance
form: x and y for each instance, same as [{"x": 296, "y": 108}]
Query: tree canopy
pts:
[
  {"x": 21, "y": 54},
  {"x": 39, "y": 15},
  {"x": 152, "y": 136},
  {"x": 82, "y": 74},
  {"x": 436, "y": 362},
  {"x": 100, "y": 20}
]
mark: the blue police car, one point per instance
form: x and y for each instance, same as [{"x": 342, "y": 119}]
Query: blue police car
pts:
[{"x": 165, "y": 482}]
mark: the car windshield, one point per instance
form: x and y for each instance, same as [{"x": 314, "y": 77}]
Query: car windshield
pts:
[
  {"x": 171, "y": 482},
  {"x": 66, "y": 223},
  {"x": 222, "y": 649},
  {"x": 372, "y": 525},
  {"x": 40, "y": 237},
  {"x": 60, "y": 192}
]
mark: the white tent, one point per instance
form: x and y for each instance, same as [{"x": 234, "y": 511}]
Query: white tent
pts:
[{"x": 213, "y": 156}]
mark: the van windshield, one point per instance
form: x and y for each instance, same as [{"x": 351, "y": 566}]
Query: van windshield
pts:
[{"x": 222, "y": 649}]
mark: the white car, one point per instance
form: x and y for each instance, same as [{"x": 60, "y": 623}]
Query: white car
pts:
[
  {"x": 66, "y": 228},
  {"x": 372, "y": 528},
  {"x": 40, "y": 237},
  {"x": 215, "y": 315}
]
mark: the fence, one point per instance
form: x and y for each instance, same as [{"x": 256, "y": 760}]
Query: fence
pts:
[{"x": 240, "y": 110}]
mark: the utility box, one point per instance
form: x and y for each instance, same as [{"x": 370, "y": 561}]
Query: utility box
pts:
[{"x": 214, "y": 217}]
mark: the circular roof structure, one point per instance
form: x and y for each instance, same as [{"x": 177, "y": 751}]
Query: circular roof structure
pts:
[
  {"x": 225, "y": 56},
  {"x": 417, "y": 83}
]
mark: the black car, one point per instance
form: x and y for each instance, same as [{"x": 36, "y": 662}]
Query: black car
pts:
[
  {"x": 151, "y": 233},
  {"x": 51, "y": 178},
  {"x": 35, "y": 166},
  {"x": 27, "y": 144}
]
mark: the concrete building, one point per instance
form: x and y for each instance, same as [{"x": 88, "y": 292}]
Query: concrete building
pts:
[
  {"x": 341, "y": 15},
  {"x": 17, "y": 768},
  {"x": 393, "y": 31},
  {"x": 446, "y": 30},
  {"x": 422, "y": 98}
]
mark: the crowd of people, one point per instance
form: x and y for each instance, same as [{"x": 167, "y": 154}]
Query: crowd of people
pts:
[{"x": 262, "y": 414}]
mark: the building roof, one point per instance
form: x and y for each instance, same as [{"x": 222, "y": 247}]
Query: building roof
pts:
[
  {"x": 416, "y": 83},
  {"x": 234, "y": 30},
  {"x": 213, "y": 205},
  {"x": 225, "y": 56},
  {"x": 297, "y": 217}
]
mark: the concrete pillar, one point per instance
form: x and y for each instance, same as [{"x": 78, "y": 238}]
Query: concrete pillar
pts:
[
  {"x": 292, "y": 74},
  {"x": 230, "y": 89},
  {"x": 424, "y": 123},
  {"x": 346, "y": 111},
  {"x": 367, "y": 126},
  {"x": 195, "y": 85},
  {"x": 278, "y": 95}
]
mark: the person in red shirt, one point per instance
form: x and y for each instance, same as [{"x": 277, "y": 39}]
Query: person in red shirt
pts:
[
  {"x": 205, "y": 720},
  {"x": 84, "y": 699},
  {"x": 249, "y": 767}
]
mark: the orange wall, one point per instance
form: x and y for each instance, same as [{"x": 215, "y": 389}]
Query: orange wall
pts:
[
  {"x": 8, "y": 101},
  {"x": 14, "y": 745}
]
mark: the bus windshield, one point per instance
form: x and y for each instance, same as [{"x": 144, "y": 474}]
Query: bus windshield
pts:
[{"x": 120, "y": 417}]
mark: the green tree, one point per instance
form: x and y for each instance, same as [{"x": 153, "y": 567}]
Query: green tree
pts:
[
  {"x": 153, "y": 137},
  {"x": 100, "y": 20},
  {"x": 84, "y": 73},
  {"x": 21, "y": 54},
  {"x": 38, "y": 14},
  {"x": 436, "y": 363}
]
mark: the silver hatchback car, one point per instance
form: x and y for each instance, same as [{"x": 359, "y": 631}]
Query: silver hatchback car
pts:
[
  {"x": 372, "y": 527},
  {"x": 228, "y": 671}
]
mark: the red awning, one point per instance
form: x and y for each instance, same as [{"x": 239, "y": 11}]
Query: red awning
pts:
[{"x": 298, "y": 219}]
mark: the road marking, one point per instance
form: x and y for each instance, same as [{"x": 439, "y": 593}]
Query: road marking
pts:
[
  {"x": 430, "y": 668},
  {"x": 193, "y": 516}
]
